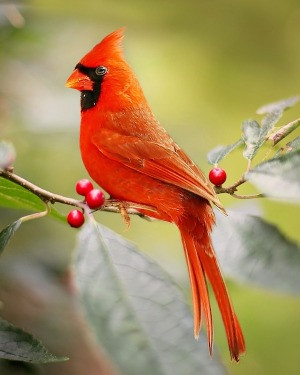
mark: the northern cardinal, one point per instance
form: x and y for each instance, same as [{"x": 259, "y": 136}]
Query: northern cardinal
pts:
[{"x": 127, "y": 152}]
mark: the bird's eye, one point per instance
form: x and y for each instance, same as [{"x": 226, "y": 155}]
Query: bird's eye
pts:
[{"x": 101, "y": 70}]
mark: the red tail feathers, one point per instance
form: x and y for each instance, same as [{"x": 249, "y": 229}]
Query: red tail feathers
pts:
[{"x": 202, "y": 264}]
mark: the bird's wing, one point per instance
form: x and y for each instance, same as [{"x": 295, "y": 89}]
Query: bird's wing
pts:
[{"x": 165, "y": 162}]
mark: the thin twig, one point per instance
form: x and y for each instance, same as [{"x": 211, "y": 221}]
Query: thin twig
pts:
[
  {"x": 282, "y": 132},
  {"x": 251, "y": 196},
  {"x": 230, "y": 189},
  {"x": 44, "y": 195}
]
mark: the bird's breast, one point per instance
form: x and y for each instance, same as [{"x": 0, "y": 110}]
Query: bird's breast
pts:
[{"x": 124, "y": 183}]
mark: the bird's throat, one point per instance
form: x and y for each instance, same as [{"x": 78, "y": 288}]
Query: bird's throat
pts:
[{"x": 89, "y": 99}]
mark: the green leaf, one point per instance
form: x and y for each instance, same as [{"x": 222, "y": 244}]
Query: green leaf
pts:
[
  {"x": 218, "y": 153},
  {"x": 278, "y": 106},
  {"x": 136, "y": 311},
  {"x": 278, "y": 153},
  {"x": 7, "y": 233},
  {"x": 7, "y": 155},
  {"x": 255, "y": 251},
  {"x": 293, "y": 145},
  {"x": 15, "y": 196},
  {"x": 18, "y": 345},
  {"x": 251, "y": 133},
  {"x": 255, "y": 136},
  {"x": 268, "y": 123},
  {"x": 278, "y": 177}
]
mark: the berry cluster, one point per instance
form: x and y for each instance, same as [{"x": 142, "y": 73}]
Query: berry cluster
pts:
[{"x": 94, "y": 198}]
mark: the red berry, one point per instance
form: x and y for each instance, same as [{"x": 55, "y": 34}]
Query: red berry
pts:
[
  {"x": 84, "y": 186},
  {"x": 217, "y": 176},
  {"x": 95, "y": 198},
  {"x": 75, "y": 218}
]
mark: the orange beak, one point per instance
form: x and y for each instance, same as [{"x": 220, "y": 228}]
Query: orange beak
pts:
[{"x": 79, "y": 81}]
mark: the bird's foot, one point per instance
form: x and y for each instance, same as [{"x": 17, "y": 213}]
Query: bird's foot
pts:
[{"x": 123, "y": 206}]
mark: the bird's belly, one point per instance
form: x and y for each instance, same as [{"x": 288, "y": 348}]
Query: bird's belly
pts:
[{"x": 124, "y": 183}]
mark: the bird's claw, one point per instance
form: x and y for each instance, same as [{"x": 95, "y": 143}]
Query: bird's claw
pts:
[{"x": 123, "y": 211}]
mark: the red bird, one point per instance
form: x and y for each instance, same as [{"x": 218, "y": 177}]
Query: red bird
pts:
[{"x": 128, "y": 153}]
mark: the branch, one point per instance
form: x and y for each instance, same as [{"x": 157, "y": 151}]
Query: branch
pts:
[
  {"x": 251, "y": 196},
  {"x": 231, "y": 190},
  {"x": 110, "y": 205},
  {"x": 278, "y": 135}
]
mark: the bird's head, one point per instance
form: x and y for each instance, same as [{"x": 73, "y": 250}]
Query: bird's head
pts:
[{"x": 104, "y": 74}]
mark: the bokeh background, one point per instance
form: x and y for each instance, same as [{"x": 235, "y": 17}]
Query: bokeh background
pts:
[{"x": 205, "y": 66}]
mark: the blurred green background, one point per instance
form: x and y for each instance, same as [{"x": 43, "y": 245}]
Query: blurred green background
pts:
[{"x": 205, "y": 66}]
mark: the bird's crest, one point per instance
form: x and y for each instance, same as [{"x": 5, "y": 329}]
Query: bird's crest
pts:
[{"x": 108, "y": 49}]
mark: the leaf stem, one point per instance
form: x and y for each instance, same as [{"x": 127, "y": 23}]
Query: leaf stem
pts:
[
  {"x": 249, "y": 165},
  {"x": 36, "y": 215}
]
